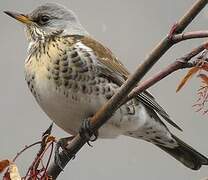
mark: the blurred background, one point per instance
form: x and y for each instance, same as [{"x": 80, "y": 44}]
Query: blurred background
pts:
[{"x": 131, "y": 29}]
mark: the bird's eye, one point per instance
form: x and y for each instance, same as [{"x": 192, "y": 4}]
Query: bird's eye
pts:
[{"x": 44, "y": 19}]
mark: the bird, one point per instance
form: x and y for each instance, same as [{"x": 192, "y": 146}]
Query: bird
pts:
[{"x": 71, "y": 75}]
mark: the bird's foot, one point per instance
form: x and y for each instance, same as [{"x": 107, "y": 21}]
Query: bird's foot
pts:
[
  {"x": 86, "y": 131},
  {"x": 172, "y": 31},
  {"x": 58, "y": 158}
]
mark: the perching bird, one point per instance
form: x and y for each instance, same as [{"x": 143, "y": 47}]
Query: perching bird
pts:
[{"x": 71, "y": 75}]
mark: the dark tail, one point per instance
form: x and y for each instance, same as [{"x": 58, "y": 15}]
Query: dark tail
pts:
[{"x": 186, "y": 155}]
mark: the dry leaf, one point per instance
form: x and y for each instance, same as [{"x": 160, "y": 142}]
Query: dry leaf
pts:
[
  {"x": 204, "y": 78},
  {"x": 206, "y": 46},
  {"x": 4, "y": 164},
  {"x": 50, "y": 139},
  {"x": 13, "y": 172},
  {"x": 205, "y": 66},
  {"x": 188, "y": 76},
  {"x": 6, "y": 176}
]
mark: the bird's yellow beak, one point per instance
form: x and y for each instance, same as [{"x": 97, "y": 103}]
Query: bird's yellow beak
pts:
[{"x": 20, "y": 17}]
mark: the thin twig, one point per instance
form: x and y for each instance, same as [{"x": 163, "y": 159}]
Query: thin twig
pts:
[
  {"x": 107, "y": 110},
  {"x": 180, "y": 63},
  {"x": 26, "y": 148},
  {"x": 189, "y": 35}
]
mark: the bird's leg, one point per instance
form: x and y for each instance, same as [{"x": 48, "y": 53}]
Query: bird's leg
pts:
[
  {"x": 62, "y": 143},
  {"x": 87, "y": 132}
]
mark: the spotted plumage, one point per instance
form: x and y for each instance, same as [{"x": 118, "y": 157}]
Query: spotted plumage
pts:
[{"x": 72, "y": 75}]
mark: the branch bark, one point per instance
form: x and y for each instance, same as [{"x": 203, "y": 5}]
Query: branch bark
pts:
[
  {"x": 189, "y": 35},
  {"x": 107, "y": 110},
  {"x": 180, "y": 63}
]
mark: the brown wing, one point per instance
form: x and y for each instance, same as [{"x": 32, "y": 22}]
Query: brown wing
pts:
[{"x": 115, "y": 70}]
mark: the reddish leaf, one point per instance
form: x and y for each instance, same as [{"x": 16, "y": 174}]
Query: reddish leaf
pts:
[
  {"x": 206, "y": 46},
  {"x": 6, "y": 176},
  {"x": 4, "y": 164},
  {"x": 188, "y": 76},
  {"x": 204, "y": 78},
  {"x": 205, "y": 66}
]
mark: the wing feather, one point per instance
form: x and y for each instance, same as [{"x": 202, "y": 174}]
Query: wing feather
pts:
[{"x": 111, "y": 67}]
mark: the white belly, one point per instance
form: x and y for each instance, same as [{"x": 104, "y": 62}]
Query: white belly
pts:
[{"x": 68, "y": 111}]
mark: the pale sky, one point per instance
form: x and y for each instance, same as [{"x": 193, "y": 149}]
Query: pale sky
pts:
[{"x": 130, "y": 29}]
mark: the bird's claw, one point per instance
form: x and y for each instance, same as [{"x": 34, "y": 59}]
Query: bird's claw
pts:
[
  {"x": 173, "y": 30},
  {"x": 87, "y": 132},
  {"x": 62, "y": 143}
]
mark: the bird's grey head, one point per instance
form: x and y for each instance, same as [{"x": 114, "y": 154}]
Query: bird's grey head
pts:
[{"x": 49, "y": 19}]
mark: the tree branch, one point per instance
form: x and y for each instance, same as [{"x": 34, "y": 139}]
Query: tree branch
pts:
[
  {"x": 180, "y": 63},
  {"x": 189, "y": 35},
  {"x": 107, "y": 110}
]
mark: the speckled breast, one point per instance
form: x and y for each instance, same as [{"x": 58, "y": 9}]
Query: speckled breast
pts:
[{"x": 63, "y": 78}]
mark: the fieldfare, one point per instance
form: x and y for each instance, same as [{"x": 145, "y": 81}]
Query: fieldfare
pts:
[{"x": 71, "y": 75}]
